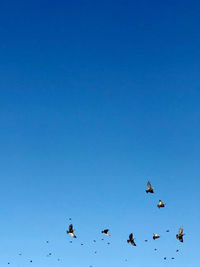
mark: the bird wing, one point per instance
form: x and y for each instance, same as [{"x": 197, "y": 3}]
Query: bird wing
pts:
[
  {"x": 149, "y": 185},
  {"x": 181, "y": 230},
  {"x": 70, "y": 228},
  {"x": 131, "y": 236}
]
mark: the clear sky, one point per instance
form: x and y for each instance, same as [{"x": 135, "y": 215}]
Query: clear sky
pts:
[{"x": 97, "y": 98}]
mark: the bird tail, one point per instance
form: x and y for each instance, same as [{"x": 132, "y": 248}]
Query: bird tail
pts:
[
  {"x": 128, "y": 241},
  {"x": 67, "y": 232}
]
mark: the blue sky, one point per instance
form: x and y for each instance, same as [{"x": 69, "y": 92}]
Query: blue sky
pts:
[{"x": 97, "y": 98}]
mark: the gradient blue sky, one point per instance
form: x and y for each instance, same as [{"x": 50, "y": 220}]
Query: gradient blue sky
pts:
[{"x": 97, "y": 97}]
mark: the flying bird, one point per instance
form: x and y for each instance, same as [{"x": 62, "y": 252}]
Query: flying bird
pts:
[
  {"x": 150, "y": 188},
  {"x": 155, "y": 236},
  {"x": 180, "y": 235},
  {"x": 71, "y": 231},
  {"x": 161, "y": 204},
  {"x": 106, "y": 232},
  {"x": 131, "y": 240}
]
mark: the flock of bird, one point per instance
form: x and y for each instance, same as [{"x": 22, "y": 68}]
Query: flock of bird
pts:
[{"x": 131, "y": 239}]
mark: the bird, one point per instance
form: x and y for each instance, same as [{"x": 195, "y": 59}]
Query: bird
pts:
[
  {"x": 71, "y": 231},
  {"x": 180, "y": 235},
  {"x": 161, "y": 204},
  {"x": 172, "y": 258},
  {"x": 150, "y": 188},
  {"x": 177, "y": 250},
  {"x": 165, "y": 258},
  {"x": 131, "y": 240},
  {"x": 106, "y": 232},
  {"x": 167, "y": 231},
  {"x": 146, "y": 240},
  {"x": 155, "y": 236}
]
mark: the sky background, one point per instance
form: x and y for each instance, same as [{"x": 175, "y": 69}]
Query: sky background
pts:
[{"x": 97, "y": 98}]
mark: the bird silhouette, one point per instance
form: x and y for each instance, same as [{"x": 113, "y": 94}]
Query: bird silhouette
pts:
[
  {"x": 106, "y": 232},
  {"x": 131, "y": 240},
  {"x": 155, "y": 236},
  {"x": 161, "y": 204},
  {"x": 71, "y": 231},
  {"x": 150, "y": 188}
]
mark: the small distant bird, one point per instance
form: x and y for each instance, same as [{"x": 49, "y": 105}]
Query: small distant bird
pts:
[
  {"x": 108, "y": 243},
  {"x": 177, "y": 250},
  {"x": 180, "y": 235},
  {"x": 165, "y": 258},
  {"x": 155, "y": 249},
  {"x": 71, "y": 231},
  {"x": 31, "y": 261},
  {"x": 172, "y": 258},
  {"x": 81, "y": 244},
  {"x": 155, "y": 236},
  {"x": 150, "y": 188},
  {"x": 161, "y": 204},
  {"x": 94, "y": 241},
  {"x": 146, "y": 240},
  {"x": 106, "y": 232},
  {"x": 131, "y": 240},
  {"x": 167, "y": 231}
]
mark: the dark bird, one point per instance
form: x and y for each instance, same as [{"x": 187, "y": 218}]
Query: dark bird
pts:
[
  {"x": 146, "y": 240},
  {"x": 155, "y": 236},
  {"x": 161, "y": 204},
  {"x": 71, "y": 231},
  {"x": 155, "y": 249},
  {"x": 172, "y": 258},
  {"x": 167, "y": 231},
  {"x": 150, "y": 188},
  {"x": 177, "y": 250},
  {"x": 131, "y": 240},
  {"x": 165, "y": 258},
  {"x": 180, "y": 235},
  {"x": 106, "y": 232}
]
